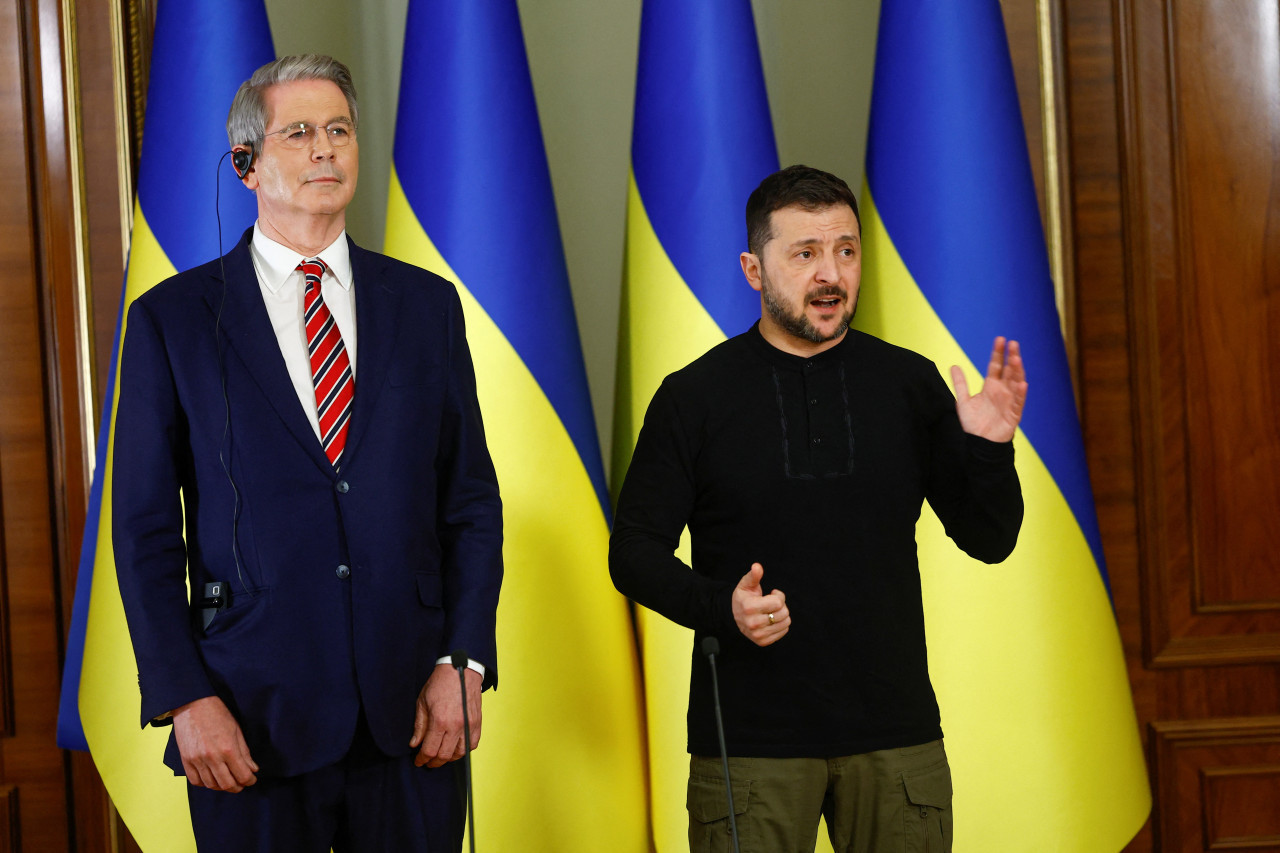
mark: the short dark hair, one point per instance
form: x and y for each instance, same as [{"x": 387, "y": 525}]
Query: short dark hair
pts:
[{"x": 811, "y": 189}]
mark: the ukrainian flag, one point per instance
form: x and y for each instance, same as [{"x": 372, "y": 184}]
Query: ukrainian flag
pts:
[
  {"x": 202, "y": 51},
  {"x": 561, "y": 762},
  {"x": 1025, "y": 656},
  {"x": 701, "y": 142}
]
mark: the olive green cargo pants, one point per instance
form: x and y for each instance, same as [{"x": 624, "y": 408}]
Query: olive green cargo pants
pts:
[{"x": 889, "y": 801}]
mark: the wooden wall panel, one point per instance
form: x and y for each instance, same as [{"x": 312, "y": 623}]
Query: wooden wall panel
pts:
[
  {"x": 1206, "y": 92},
  {"x": 1174, "y": 130},
  {"x": 52, "y": 800},
  {"x": 1220, "y": 782},
  {"x": 1226, "y": 83},
  {"x": 34, "y": 809}
]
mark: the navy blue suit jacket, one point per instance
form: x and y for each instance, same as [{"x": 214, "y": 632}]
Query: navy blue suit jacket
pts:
[{"x": 211, "y": 441}]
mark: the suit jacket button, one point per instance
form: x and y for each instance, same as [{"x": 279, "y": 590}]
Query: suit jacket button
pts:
[
  {"x": 343, "y": 572},
  {"x": 342, "y": 487}
]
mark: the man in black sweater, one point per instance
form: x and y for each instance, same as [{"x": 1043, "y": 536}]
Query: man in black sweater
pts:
[{"x": 805, "y": 449}]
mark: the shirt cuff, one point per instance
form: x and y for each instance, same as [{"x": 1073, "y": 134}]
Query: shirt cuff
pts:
[{"x": 471, "y": 665}]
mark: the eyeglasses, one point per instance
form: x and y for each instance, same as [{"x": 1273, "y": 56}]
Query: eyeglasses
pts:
[{"x": 302, "y": 134}]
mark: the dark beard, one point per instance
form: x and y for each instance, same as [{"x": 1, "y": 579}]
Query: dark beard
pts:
[{"x": 798, "y": 325}]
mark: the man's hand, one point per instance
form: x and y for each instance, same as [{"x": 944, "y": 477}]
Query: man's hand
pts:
[
  {"x": 214, "y": 753},
  {"x": 437, "y": 726},
  {"x": 762, "y": 619},
  {"x": 994, "y": 413}
]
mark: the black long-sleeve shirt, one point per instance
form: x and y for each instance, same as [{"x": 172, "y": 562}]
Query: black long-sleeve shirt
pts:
[{"x": 816, "y": 468}]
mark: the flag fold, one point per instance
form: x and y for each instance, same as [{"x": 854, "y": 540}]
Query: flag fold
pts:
[
  {"x": 561, "y": 761},
  {"x": 1025, "y": 656}
]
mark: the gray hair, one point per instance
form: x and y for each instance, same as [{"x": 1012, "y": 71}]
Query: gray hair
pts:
[{"x": 247, "y": 120}]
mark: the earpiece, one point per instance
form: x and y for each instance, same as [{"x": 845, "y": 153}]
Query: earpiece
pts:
[{"x": 242, "y": 159}]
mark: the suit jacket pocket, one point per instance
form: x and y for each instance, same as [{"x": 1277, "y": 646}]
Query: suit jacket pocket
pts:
[{"x": 242, "y": 615}]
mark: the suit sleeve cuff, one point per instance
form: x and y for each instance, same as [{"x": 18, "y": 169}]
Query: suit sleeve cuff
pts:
[{"x": 475, "y": 666}]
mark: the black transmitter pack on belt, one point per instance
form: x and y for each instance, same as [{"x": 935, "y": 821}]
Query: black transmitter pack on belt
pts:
[{"x": 215, "y": 599}]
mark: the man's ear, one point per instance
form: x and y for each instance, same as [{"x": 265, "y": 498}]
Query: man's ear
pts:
[
  {"x": 751, "y": 269},
  {"x": 242, "y": 160}
]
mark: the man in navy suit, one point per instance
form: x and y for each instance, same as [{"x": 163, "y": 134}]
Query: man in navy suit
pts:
[{"x": 335, "y": 518}]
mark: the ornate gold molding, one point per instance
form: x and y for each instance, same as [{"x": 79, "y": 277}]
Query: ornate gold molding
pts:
[
  {"x": 125, "y": 144},
  {"x": 1056, "y": 174},
  {"x": 83, "y": 310}
]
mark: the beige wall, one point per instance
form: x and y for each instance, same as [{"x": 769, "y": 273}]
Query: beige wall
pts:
[{"x": 817, "y": 57}]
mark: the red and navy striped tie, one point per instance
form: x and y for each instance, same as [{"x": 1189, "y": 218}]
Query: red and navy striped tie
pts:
[{"x": 330, "y": 366}]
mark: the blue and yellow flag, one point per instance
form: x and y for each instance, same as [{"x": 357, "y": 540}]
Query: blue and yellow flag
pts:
[
  {"x": 560, "y": 766},
  {"x": 202, "y": 51},
  {"x": 701, "y": 142},
  {"x": 1025, "y": 656}
]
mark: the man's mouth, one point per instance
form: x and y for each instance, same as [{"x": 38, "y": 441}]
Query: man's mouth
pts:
[{"x": 826, "y": 303}]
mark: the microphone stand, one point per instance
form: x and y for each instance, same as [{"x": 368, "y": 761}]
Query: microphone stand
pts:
[{"x": 711, "y": 648}]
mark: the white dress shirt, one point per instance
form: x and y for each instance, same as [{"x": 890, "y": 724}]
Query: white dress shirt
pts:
[{"x": 283, "y": 285}]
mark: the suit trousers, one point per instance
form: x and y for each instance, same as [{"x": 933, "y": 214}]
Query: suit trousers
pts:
[
  {"x": 888, "y": 801},
  {"x": 366, "y": 803}
]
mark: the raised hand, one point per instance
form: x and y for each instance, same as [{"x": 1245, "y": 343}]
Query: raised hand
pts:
[{"x": 995, "y": 412}]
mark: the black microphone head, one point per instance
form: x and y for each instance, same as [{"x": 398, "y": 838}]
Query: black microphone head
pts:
[
  {"x": 458, "y": 658},
  {"x": 710, "y": 646}
]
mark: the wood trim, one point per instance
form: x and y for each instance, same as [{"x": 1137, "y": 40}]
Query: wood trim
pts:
[
  {"x": 1057, "y": 175},
  {"x": 1219, "y": 787},
  {"x": 140, "y": 25},
  {"x": 106, "y": 76},
  {"x": 6, "y": 659},
  {"x": 1144, "y": 344},
  {"x": 1193, "y": 760},
  {"x": 1220, "y": 650},
  {"x": 10, "y": 819}
]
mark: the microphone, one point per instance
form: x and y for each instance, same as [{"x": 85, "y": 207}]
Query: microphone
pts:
[
  {"x": 458, "y": 659},
  {"x": 711, "y": 648}
]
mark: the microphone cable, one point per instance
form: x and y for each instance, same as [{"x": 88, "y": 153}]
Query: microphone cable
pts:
[{"x": 225, "y": 441}]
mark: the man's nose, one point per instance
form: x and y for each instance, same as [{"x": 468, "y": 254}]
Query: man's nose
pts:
[
  {"x": 826, "y": 270},
  {"x": 322, "y": 146}
]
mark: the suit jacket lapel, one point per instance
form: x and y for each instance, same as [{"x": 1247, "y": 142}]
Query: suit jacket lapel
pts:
[
  {"x": 377, "y": 325},
  {"x": 248, "y": 331}
]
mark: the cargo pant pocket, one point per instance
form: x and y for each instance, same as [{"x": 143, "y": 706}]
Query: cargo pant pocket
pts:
[
  {"x": 708, "y": 807},
  {"x": 927, "y": 817}
]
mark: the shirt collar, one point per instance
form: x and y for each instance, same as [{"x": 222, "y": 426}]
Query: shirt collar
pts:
[
  {"x": 782, "y": 358},
  {"x": 276, "y": 262}
]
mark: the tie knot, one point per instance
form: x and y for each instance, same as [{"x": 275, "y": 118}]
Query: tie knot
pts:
[{"x": 312, "y": 269}]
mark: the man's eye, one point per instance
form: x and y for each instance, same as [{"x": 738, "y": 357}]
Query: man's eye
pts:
[
  {"x": 339, "y": 130},
  {"x": 806, "y": 254},
  {"x": 298, "y": 131}
]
